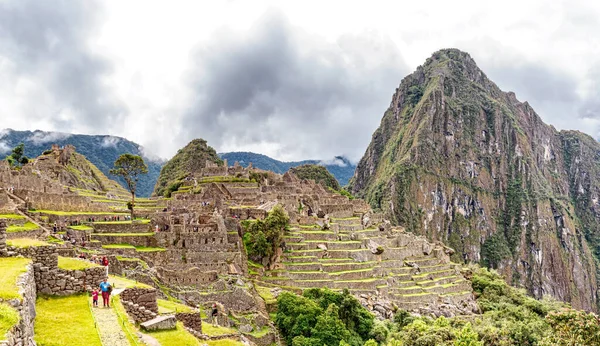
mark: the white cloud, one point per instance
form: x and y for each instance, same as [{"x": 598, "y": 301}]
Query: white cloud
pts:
[
  {"x": 91, "y": 70},
  {"x": 4, "y": 148},
  {"x": 110, "y": 141},
  {"x": 333, "y": 162},
  {"x": 42, "y": 137}
]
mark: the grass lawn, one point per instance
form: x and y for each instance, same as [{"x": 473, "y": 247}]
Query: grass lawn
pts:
[
  {"x": 28, "y": 226},
  {"x": 65, "y": 321},
  {"x": 167, "y": 307},
  {"x": 11, "y": 268},
  {"x": 121, "y": 282},
  {"x": 25, "y": 242},
  {"x": 81, "y": 228},
  {"x": 69, "y": 263},
  {"x": 176, "y": 337},
  {"x": 75, "y": 213},
  {"x": 12, "y": 216},
  {"x": 212, "y": 330},
  {"x": 9, "y": 317}
]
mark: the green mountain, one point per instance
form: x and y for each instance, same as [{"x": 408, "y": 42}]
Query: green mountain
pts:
[
  {"x": 102, "y": 151},
  {"x": 341, "y": 168},
  {"x": 188, "y": 160},
  {"x": 320, "y": 174},
  {"x": 458, "y": 160}
]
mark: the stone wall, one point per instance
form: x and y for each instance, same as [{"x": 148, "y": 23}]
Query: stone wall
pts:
[
  {"x": 50, "y": 279},
  {"x": 50, "y": 201},
  {"x": 2, "y": 238},
  {"x": 140, "y": 303},
  {"x": 134, "y": 227},
  {"x": 145, "y": 297},
  {"x": 135, "y": 240},
  {"x": 22, "y": 333},
  {"x": 190, "y": 320}
]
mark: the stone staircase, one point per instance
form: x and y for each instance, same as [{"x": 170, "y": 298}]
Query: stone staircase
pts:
[{"x": 409, "y": 272}]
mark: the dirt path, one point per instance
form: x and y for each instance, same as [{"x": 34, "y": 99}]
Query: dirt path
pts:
[{"x": 111, "y": 332}]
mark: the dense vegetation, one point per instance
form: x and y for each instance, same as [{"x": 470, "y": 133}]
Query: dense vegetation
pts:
[
  {"x": 262, "y": 238},
  {"x": 323, "y": 317},
  {"x": 341, "y": 168},
  {"x": 102, "y": 151},
  {"x": 17, "y": 157},
  {"x": 320, "y": 174},
  {"x": 189, "y": 159},
  {"x": 509, "y": 317}
]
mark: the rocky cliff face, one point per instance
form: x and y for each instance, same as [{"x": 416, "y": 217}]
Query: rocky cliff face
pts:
[{"x": 458, "y": 160}]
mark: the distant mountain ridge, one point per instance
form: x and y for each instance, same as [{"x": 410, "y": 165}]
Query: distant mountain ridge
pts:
[
  {"x": 101, "y": 150},
  {"x": 340, "y": 167}
]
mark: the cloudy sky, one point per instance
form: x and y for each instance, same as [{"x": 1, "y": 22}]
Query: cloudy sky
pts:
[{"x": 289, "y": 79}]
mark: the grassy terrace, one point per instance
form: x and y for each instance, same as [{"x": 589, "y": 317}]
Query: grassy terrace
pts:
[
  {"x": 12, "y": 216},
  {"x": 9, "y": 317},
  {"x": 28, "y": 226},
  {"x": 122, "y": 282},
  {"x": 65, "y": 321},
  {"x": 11, "y": 268},
  {"x": 25, "y": 242},
  {"x": 176, "y": 337},
  {"x": 68, "y": 263},
  {"x": 168, "y": 307},
  {"x": 75, "y": 213},
  {"x": 81, "y": 228}
]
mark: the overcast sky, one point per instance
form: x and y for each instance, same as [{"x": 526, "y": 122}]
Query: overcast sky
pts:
[{"x": 289, "y": 79}]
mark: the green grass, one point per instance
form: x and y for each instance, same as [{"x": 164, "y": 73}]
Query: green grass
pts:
[
  {"x": 265, "y": 293},
  {"x": 82, "y": 228},
  {"x": 12, "y": 216},
  {"x": 167, "y": 306},
  {"x": 122, "y": 282},
  {"x": 212, "y": 330},
  {"x": 260, "y": 333},
  {"x": 11, "y": 268},
  {"x": 69, "y": 263},
  {"x": 28, "y": 226},
  {"x": 75, "y": 213},
  {"x": 129, "y": 329},
  {"x": 176, "y": 337},
  {"x": 9, "y": 317},
  {"x": 65, "y": 321},
  {"x": 25, "y": 242}
]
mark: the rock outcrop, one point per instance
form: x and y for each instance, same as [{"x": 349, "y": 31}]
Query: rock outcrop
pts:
[{"x": 460, "y": 161}]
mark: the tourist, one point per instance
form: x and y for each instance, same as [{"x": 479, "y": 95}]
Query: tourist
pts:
[
  {"x": 95, "y": 297},
  {"x": 157, "y": 228},
  {"x": 106, "y": 288},
  {"x": 214, "y": 314}
]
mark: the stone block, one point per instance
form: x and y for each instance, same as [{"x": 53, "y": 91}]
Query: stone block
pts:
[{"x": 160, "y": 323}]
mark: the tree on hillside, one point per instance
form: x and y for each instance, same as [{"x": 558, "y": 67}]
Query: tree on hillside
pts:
[
  {"x": 130, "y": 167},
  {"x": 17, "y": 157}
]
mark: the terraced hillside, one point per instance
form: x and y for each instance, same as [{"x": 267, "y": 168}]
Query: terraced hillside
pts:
[{"x": 389, "y": 266}]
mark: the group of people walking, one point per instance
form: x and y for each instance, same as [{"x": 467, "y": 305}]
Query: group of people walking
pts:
[{"x": 105, "y": 289}]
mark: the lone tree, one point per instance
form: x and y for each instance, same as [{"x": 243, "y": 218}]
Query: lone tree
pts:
[
  {"x": 17, "y": 157},
  {"x": 130, "y": 167}
]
